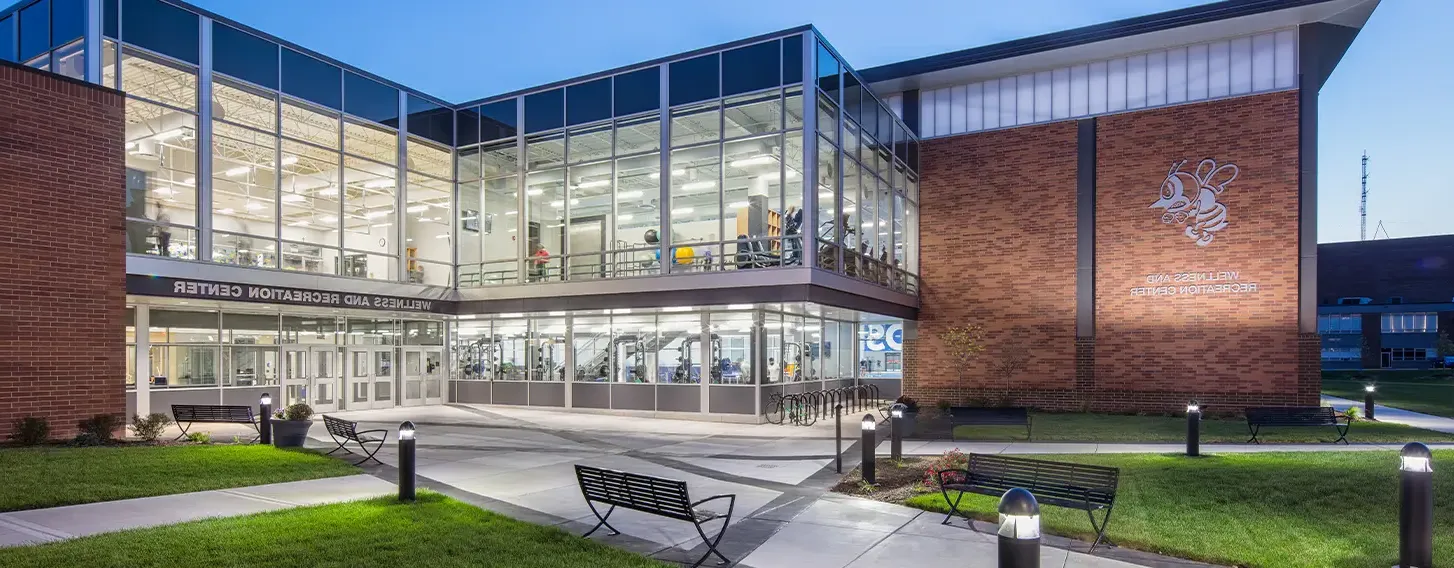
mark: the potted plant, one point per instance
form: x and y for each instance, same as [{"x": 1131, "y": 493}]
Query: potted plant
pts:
[
  {"x": 290, "y": 426},
  {"x": 911, "y": 414}
]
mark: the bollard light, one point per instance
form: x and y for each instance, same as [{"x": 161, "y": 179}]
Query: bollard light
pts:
[
  {"x": 265, "y": 419},
  {"x": 869, "y": 441},
  {"x": 406, "y": 461},
  {"x": 1368, "y": 400},
  {"x": 896, "y": 442},
  {"x": 1416, "y": 507},
  {"x": 838, "y": 438},
  {"x": 1019, "y": 532},
  {"x": 1193, "y": 429}
]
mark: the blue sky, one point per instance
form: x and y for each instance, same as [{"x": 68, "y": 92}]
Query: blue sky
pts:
[{"x": 1391, "y": 95}]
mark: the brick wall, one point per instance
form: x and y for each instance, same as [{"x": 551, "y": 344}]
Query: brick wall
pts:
[
  {"x": 62, "y": 258},
  {"x": 998, "y": 247}
]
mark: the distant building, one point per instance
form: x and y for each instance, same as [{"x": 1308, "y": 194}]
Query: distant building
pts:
[{"x": 1382, "y": 304}]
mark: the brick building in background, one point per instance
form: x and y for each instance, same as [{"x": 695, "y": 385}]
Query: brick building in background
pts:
[
  {"x": 62, "y": 285},
  {"x": 1386, "y": 304}
]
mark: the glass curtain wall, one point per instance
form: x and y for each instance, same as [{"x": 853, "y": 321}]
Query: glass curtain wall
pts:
[{"x": 867, "y": 181}]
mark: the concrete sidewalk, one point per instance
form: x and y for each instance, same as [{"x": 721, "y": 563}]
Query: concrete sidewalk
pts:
[
  {"x": 60, "y": 523},
  {"x": 1397, "y": 415}
]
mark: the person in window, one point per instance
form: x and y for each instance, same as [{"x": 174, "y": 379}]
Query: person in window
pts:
[
  {"x": 163, "y": 232},
  {"x": 771, "y": 370},
  {"x": 539, "y": 259}
]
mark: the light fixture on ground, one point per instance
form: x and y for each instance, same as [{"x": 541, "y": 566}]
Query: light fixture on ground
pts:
[
  {"x": 1019, "y": 532},
  {"x": 838, "y": 438},
  {"x": 406, "y": 461},
  {"x": 896, "y": 444},
  {"x": 1416, "y": 507},
  {"x": 1368, "y": 401},
  {"x": 870, "y": 439},
  {"x": 265, "y": 419},
  {"x": 1193, "y": 428}
]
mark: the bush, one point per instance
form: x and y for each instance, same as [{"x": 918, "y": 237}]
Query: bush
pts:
[
  {"x": 951, "y": 460},
  {"x": 100, "y": 426},
  {"x": 199, "y": 437},
  {"x": 30, "y": 431},
  {"x": 295, "y": 413},
  {"x": 150, "y": 427},
  {"x": 1353, "y": 413},
  {"x": 87, "y": 439},
  {"x": 908, "y": 401}
]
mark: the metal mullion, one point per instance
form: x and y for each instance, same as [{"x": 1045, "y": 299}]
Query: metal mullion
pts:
[
  {"x": 521, "y": 165},
  {"x": 401, "y": 192},
  {"x": 203, "y": 154},
  {"x": 810, "y": 145},
  {"x": 664, "y": 170},
  {"x": 91, "y": 51}
]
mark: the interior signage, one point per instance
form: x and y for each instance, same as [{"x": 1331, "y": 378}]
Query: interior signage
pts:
[
  {"x": 1195, "y": 284},
  {"x": 202, "y": 289},
  {"x": 883, "y": 337}
]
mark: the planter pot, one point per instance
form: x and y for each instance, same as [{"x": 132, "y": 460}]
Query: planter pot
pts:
[{"x": 290, "y": 433}]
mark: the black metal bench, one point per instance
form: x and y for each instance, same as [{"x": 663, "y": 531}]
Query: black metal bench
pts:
[
  {"x": 344, "y": 432},
  {"x": 1089, "y": 488},
  {"x": 187, "y": 414},
  {"x": 989, "y": 416},
  {"x": 1296, "y": 416},
  {"x": 652, "y": 495}
]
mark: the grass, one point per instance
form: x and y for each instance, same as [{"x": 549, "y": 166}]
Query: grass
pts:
[
  {"x": 436, "y": 531},
  {"x": 1429, "y": 392},
  {"x": 55, "y": 476},
  {"x": 1324, "y": 510},
  {"x": 1061, "y": 427}
]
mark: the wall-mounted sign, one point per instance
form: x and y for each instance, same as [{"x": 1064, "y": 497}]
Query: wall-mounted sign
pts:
[
  {"x": 882, "y": 337},
  {"x": 1190, "y": 199},
  {"x": 1195, "y": 284},
  {"x": 202, "y": 289}
]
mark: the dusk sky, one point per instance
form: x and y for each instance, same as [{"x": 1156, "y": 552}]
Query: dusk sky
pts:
[{"x": 1390, "y": 96}]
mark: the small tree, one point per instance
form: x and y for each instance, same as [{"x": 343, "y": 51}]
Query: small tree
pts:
[
  {"x": 1445, "y": 345},
  {"x": 964, "y": 343},
  {"x": 1009, "y": 361}
]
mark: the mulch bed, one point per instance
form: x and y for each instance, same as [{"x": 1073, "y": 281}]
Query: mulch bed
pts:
[{"x": 896, "y": 481}]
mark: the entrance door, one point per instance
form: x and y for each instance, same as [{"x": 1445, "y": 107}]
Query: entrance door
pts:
[
  {"x": 423, "y": 377},
  {"x": 370, "y": 381},
  {"x": 296, "y": 376},
  {"x": 325, "y": 379}
]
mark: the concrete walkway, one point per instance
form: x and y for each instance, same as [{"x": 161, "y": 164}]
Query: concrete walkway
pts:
[
  {"x": 1397, "y": 415},
  {"x": 59, "y": 523}
]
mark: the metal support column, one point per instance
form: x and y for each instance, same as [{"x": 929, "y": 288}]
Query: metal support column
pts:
[{"x": 204, "y": 142}]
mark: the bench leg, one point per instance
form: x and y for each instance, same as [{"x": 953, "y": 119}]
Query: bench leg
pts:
[
  {"x": 953, "y": 507},
  {"x": 712, "y": 542},
  {"x": 603, "y": 520},
  {"x": 184, "y": 431},
  {"x": 259, "y": 430},
  {"x": 1342, "y": 433},
  {"x": 1101, "y": 529},
  {"x": 340, "y": 446},
  {"x": 1253, "y": 430},
  {"x": 370, "y": 455}
]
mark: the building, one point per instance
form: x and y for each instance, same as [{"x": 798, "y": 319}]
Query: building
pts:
[
  {"x": 1126, "y": 208},
  {"x": 1384, "y": 304}
]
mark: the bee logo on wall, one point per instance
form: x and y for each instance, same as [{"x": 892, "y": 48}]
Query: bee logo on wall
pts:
[{"x": 1190, "y": 199}]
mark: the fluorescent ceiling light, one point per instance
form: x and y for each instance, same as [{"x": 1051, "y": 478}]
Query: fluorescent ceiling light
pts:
[
  {"x": 169, "y": 134},
  {"x": 737, "y": 205},
  {"x": 825, "y": 195},
  {"x": 739, "y": 306},
  {"x": 292, "y": 198},
  {"x": 328, "y": 219},
  {"x": 303, "y": 223},
  {"x": 130, "y": 145},
  {"x": 380, "y": 225},
  {"x": 628, "y": 195},
  {"x": 444, "y": 236},
  {"x": 227, "y": 211},
  {"x": 417, "y": 209},
  {"x": 375, "y": 214},
  {"x": 683, "y": 211},
  {"x": 512, "y": 212},
  {"x": 593, "y": 183},
  {"x": 254, "y": 206},
  {"x": 470, "y": 218},
  {"x": 675, "y": 172},
  {"x": 290, "y": 160},
  {"x": 510, "y": 231},
  {"x": 557, "y": 313},
  {"x": 237, "y": 171},
  {"x": 379, "y": 183},
  {"x": 512, "y": 315},
  {"x": 189, "y": 181},
  {"x": 164, "y": 190},
  {"x": 534, "y": 192},
  {"x": 625, "y": 217},
  {"x": 707, "y": 184},
  {"x": 621, "y": 311},
  {"x": 753, "y": 161},
  {"x": 329, "y": 191},
  {"x": 678, "y": 309}
]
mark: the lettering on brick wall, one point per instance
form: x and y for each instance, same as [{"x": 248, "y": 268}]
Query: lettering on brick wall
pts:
[
  {"x": 1190, "y": 199},
  {"x": 1211, "y": 283}
]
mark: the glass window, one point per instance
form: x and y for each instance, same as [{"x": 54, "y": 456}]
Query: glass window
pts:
[
  {"x": 680, "y": 354},
  {"x": 793, "y": 108},
  {"x": 546, "y": 349},
  {"x": 244, "y": 186},
  {"x": 692, "y": 125},
  {"x": 67, "y": 21},
  {"x": 109, "y": 19},
  {"x": 638, "y": 213},
  {"x": 428, "y": 216},
  {"x": 588, "y": 144},
  {"x": 467, "y": 126},
  {"x": 588, "y": 102},
  {"x": 429, "y": 158},
  {"x": 423, "y": 333},
  {"x": 732, "y": 352},
  {"x": 310, "y": 197},
  {"x": 373, "y": 332},
  {"x": 70, "y": 61},
  {"x": 430, "y": 120},
  {"x": 753, "y": 190},
  {"x": 245, "y": 56},
  {"x": 638, "y": 135},
  {"x": 250, "y": 366},
  {"x": 695, "y": 79},
  {"x": 367, "y": 98},
  {"x": 310, "y": 125},
  {"x": 167, "y": 83},
  {"x": 544, "y": 111},
  {"x": 638, "y": 91},
  {"x": 500, "y": 215},
  {"x": 827, "y": 188},
  {"x": 828, "y": 68},
  {"x": 304, "y": 77},
  {"x": 1340, "y": 323},
  {"x": 631, "y": 340},
  {"x": 162, "y": 28},
  {"x": 543, "y": 152},
  {"x": 545, "y": 204},
  {"x": 751, "y": 68},
  {"x": 752, "y": 114},
  {"x": 250, "y": 329},
  {"x": 827, "y": 118},
  {"x": 369, "y": 217},
  {"x": 792, "y": 59},
  {"x": 35, "y": 29},
  {"x": 468, "y": 173},
  {"x": 1423, "y": 322},
  {"x": 241, "y": 105},
  {"x": 696, "y": 206},
  {"x": 7, "y": 39},
  {"x": 497, "y": 120},
  {"x": 592, "y": 349},
  {"x": 588, "y": 212},
  {"x": 369, "y": 141},
  {"x": 161, "y": 195}
]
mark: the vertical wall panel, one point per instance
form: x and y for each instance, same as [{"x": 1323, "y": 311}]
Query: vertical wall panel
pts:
[
  {"x": 1136, "y": 81},
  {"x": 1060, "y": 93},
  {"x": 1116, "y": 85},
  {"x": 956, "y": 109},
  {"x": 1008, "y": 101},
  {"x": 1241, "y": 65},
  {"x": 1196, "y": 72},
  {"x": 1176, "y": 75},
  {"x": 1025, "y": 99},
  {"x": 1098, "y": 87},
  {"x": 941, "y": 112},
  {"x": 896, "y": 104},
  {"x": 974, "y": 111},
  {"x": 992, "y": 103},
  {"x": 1079, "y": 90},
  {"x": 1219, "y": 69},
  {"x": 1285, "y": 59},
  {"x": 926, "y": 114},
  {"x": 1043, "y": 96},
  {"x": 1156, "y": 78}
]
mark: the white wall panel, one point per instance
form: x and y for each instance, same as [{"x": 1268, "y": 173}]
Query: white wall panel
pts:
[
  {"x": 1043, "y": 93},
  {"x": 1080, "y": 90},
  {"x": 1285, "y": 56},
  {"x": 1008, "y": 101},
  {"x": 1264, "y": 66},
  {"x": 974, "y": 111},
  {"x": 992, "y": 104},
  {"x": 1116, "y": 85},
  {"x": 1241, "y": 65},
  {"x": 1136, "y": 81},
  {"x": 926, "y": 114},
  {"x": 1196, "y": 72},
  {"x": 1098, "y": 88},
  {"x": 956, "y": 110},
  {"x": 1025, "y": 99},
  {"x": 1219, "y": 69},
  {"x": 1176, "y": 76},
  {"x": 941, "y": 112},
  {"x": 1156, "y": 78},
  {"x": 1060, "y": 94}
]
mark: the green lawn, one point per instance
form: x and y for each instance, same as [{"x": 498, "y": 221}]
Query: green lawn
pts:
[
  {"x": 1073, "y": 427},
  {"x": 1430, "y": 392},
  {"x": 55, "y": 476},
  {"x": 1315, "y": 510},
  {"x": 436, "y": 531}
]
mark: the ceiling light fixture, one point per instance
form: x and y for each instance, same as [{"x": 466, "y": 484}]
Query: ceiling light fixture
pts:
[
  {"x": 379, "y": 183},
  {"x": 328, "y": 219},
  {"x": 624, "y": 217},
  {"x": 237, "y": 171},
  {"x": 593, "y": 183},
  {"x": 628, "y": 195},
  {"x": 682, "y": 211},
  {"x": 417, "y": 209},
  {"x": 254, "y": 206},
  {"x": 169, "y": 134},
  {"x": 696, "y": 185},
  {"x": 534, "y": 192},
  {"x": 290, "y": 160},
  {"x": 375, "y": 214},
  {"x": 675, "y": 172},
  {"x": 753, "y": 161},
  {"x": 226, "y": 211},
  {"x": 292, "y": 198},
  {"x": 303, "y": 223},
  {"x": 737, "y": 205}
]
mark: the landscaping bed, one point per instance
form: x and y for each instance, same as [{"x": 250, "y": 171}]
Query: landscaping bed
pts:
[
  {"x": 1289, "y": 509},
  {"x": 436, "y": 531},
  {"x": 1085, "y": 427},
  {"x": 52, "y": 476}
]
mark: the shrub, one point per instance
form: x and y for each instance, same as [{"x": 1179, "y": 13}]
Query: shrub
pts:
[
  {"x": 87, "y": 439},
  {"x": 30, "y": 431},
  {"x": 150, "y": 427},
  {"x": 101, "y": 426},
  {"x": 908, "y": 401},
  {"x": 295, "y": 413},
  {"x": 1353, "y": 413},
  {"x": 951, "y": 460},
  {"x": 199, "y": 437}
]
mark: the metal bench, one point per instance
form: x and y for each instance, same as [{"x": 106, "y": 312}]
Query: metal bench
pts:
[
  {"x": 989, "y": 416},
  {"x": 654, "y": 496},
  {"x": 1088, "y": 488},
  {"x": 187, "y": 414},
  {"x": 344, "y": 432},
  {"x": 1293, "y": 416}
]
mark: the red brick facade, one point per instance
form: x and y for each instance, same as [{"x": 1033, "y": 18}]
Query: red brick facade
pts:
[
  {"x": 999, "y": 248},
  {"x": 62, "y": 257}
]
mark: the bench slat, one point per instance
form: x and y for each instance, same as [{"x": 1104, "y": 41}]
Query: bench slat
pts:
[
  {"x": 213, "y": 413},
  {"x": 644, "y": 493},
  {"x": 1062, "y": 484}
]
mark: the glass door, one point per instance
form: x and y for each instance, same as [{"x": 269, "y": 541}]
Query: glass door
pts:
[
  {"x": 384, "y": 391},
  {"x": 325, "y": 379},
  {"x": 434, "y": 376},
  {"x": 413, "y": 378},
  {"x": 360, "y": 381},
  {"x": 296, "y": 370}
]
